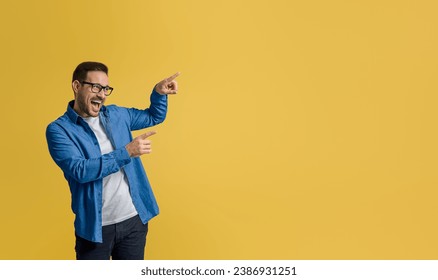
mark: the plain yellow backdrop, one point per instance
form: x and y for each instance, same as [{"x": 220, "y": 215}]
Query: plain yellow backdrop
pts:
[{"x": 302, "y": 129}]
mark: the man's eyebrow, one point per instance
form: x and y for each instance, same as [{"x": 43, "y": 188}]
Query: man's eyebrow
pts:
[{"x": 101, "y": 85}]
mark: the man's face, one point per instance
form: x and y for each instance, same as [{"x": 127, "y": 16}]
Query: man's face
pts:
[{"x": 87, "y": 103}]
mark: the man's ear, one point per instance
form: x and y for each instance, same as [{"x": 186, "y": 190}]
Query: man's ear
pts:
[{"x": 75, "y": 86}]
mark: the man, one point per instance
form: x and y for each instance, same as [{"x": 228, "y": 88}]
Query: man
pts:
[{"x": 111, "y": 196}]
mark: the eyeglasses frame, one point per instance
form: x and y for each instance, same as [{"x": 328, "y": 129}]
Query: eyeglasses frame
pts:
[{"x": 105, "y": 88}]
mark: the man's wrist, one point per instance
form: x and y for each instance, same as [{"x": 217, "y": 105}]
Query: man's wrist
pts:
[{"x": 156, "y": 90}]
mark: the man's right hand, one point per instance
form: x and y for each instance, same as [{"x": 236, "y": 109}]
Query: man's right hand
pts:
[{"x": 140, "y": 145}]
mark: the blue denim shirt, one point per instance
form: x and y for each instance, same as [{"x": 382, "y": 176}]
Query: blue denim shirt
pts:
[{"x": 75, "y": 149}]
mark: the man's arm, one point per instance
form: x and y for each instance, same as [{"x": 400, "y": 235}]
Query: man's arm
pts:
[
  {"x": 69, "y": 158},
  {"x": 157, "y": 111},
  {"x": 155, "y": 114}
]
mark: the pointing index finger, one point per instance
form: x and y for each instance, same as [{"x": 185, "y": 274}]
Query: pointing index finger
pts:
[
  {"x": 147, "y": 134},
  {"x": 171, "y": 78}
]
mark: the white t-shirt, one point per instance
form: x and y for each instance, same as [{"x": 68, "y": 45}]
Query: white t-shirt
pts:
[{"x": 117, "y": 204}]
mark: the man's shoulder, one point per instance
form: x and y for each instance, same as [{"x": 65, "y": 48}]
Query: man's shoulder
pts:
[
  {"x": 116, "y": 109},
  {"x": 61, "y": 121},
  {"x": 112, "y": 107},
  {"x": 67, "y": 117}
]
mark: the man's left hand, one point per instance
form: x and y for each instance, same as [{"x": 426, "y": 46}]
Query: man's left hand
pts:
[{"x": 168, "y": 86}]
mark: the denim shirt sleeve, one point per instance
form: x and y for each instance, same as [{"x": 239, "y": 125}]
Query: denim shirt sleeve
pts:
[
  {"x": 155, "y": 114},
  {"x": 68, "y": 156}
]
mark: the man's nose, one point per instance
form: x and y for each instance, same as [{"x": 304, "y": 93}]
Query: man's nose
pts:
[{"x": 101, "y": 94}]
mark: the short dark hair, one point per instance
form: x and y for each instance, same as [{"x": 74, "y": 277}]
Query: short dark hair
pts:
[{"x": 82, "y": 69}]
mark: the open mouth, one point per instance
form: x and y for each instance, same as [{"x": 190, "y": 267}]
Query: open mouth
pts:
[{"x": 96, "y": 104}]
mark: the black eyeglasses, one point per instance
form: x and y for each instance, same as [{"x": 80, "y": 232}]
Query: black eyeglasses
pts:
[{"x": 96, "y": 88}]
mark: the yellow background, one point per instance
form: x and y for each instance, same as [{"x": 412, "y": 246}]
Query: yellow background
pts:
[{"x": 302, "y": 129}]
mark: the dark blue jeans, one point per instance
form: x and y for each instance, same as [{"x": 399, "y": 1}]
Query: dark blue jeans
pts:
[{"x": 122, "y": 241}]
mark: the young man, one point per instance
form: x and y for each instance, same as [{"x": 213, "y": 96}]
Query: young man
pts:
[{"x": 111, "y": 196}]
